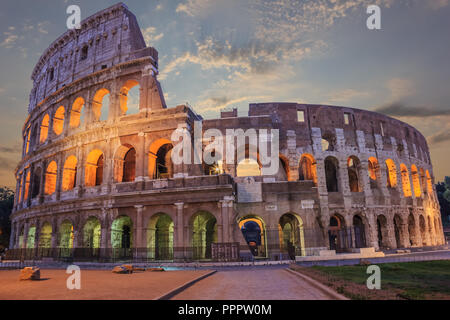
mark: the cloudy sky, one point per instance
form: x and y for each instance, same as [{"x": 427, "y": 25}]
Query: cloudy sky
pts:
[{"x": 217, "y": 54}]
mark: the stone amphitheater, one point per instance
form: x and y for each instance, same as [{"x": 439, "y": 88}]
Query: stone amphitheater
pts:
[{"x": 97, "y": 180}]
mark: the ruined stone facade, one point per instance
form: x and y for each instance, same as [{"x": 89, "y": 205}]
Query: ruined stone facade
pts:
[{"x": 90, "y": 186}]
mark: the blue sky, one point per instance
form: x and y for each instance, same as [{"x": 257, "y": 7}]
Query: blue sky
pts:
[{"x": 227, "y": 53}]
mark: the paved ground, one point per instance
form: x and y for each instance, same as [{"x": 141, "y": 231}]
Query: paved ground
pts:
[
  {"x": 252, "y": 284},
  {"x": 95, "y": 284}
]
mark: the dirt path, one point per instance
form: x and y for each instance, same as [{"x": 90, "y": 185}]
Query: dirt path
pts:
[
  {"x": 95, "y": 284},
  {"x": 250, "y": 284}
]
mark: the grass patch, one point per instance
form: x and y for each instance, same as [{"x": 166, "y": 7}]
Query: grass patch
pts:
[{"x": 408, "y": 280}]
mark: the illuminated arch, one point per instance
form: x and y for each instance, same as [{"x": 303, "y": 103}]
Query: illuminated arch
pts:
[
  {"x": 406, "y": 185},
  {"x": 125, "y": 164},
  {"x": 44, "y": 128},
  {"x": 391, "y": 173},
  {"x": 291, "y": 235},
  {"x": 94, "y": 169},
  {"x": 69, "y": 173},
  {"x": 100, "y": 106},
  {"x": 126, "y": 92},
  {"x": 58, "y": 121},
  {"x": 253, "y": 229},
  {"x": 308, "y": 168},
  {"x": 65, "y": 238},
  {"x": 429, "y": 183},
  {"x": 92, "y": 233},
  {"x": 76, "y": 112},
  {"x": 45, "y": 238},
  {"x": 160, "y": 237},
  {"x": 284, "y": 173},
  {"x": 27, "y": 184},
  {"x": 159, "y": 159},
  {"x": 416, "y": 181},
  {"x": 122, "y": 234},
  {"x": 203, "y": 226},
  {"x": 50, "y": 178},
  {"x": 31, "y": 237}
]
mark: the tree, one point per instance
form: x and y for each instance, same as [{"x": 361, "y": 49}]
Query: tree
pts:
[
  {"x": 6, "y": 205},
  {"x": 443, "y": 193}
]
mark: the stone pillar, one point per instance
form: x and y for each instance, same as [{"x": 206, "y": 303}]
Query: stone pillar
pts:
[
  {"x": 343, "y": 183},
  {"x": 105, "y": 233},
  {"x": 140, "y": 158},
  {"x": 42, "y": 183},
  {"x": 350, "y": 228},
  {"x": 371, "y": 228},
  {"x": 179, "y": 241},
  {"x": 365, "y": 181},
  {"x": 12, "y": 235},
  {"x": 59, "y": 174},
  {"x": 139, "y": 229}
]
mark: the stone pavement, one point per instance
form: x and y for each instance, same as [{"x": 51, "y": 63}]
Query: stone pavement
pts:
[{"x": 252, "y": 284}]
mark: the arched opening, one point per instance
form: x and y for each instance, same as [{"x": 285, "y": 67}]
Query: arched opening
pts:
[
  {"x": 125, "y": 164},
  {"x": 121, "y": 237},
  {"x": 44, "y": 128},
  {"x": 429, "y": 183},
  {"x": 391, "y": 173},
  {"x": 416, "y": 181},
  {"x": 100, "y": 105},
  {"x": 27, "y": 140},
  {"x": 66, "y": 237},
  {"x": 21, "y": 237},
  {"x": 382, "y": 232},
  {"x": 248, "y": 168},
  {"x": 308, "y": 169},
  {"x": 31, "y": 237},
  {"x": 160, "y": 237},
  {"x": 27, "y": 185},
  {"x": 338, "y": 235},
  {"x": 374, "y": 169},
  {"x": 413, "y": 241},
  {"x": 94, "y": 169},
  {"x": 58, "y": 121},
  {"x": 204, "y": 233},
  {"x": 36, "y": 183},
  {"x": 76, "y": 114},
  {"x": 406, "y": 185},
  {"x": 254, "y": 231},
  {"x": 92, "y": 232},
  {"x": 34, "y": 136},
  {"x": 291, "y": 235},
  {"x": 422, "y": 230},
  {"x": 360, "y": 234},
  {"x": 159, "y": 159},
  {"x": 45, "y": 240},
  {"x": 129, "y": 97},
  {"x": 331, "y": 174},
  {"x": 69, "y": 173},
  {"x": 50, "y": 178},
  {"x": 353, "y": 168},
  {"x": 398, "y": 231}
]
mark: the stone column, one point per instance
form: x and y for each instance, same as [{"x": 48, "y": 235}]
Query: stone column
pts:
[
  {"x": 42, "y": 183},
  {"x": 372, "y": 231},
  {"x": 350, "y": 228},
  {"x": 59, "y": 174},
  {"x": 343, "y": 183},
  {"x": 140, "y": 159},
  {"x": 179, "y": 234},
  {"x": 139, "y": 229},
  {"x": 13, "y": 234}
]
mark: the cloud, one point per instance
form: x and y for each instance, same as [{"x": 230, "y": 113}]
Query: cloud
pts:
[
  {"x": 10, "y": 40},
  {"x": 194, "y": 7},
  {"x": 399, "y": 109},
  {"x": 439, "y": 137},
  {"x": 400, "y": 88},
  {"x": 151, "y": 35},
  {"x": 345, "y": 95}
]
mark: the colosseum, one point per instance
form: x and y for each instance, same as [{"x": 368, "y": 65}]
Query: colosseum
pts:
[{"x": 97, "y": 180}]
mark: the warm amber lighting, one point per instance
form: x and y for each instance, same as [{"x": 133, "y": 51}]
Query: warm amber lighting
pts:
[
  {"x": 94, "y": 169},
  {"x": 405, "y": 181},
  {"x": 391, "y": 173},
  {"x": 124, "y": 95},
  {"x": 50, "y": 178},
  {"x": 75, "y": 113},
  {"x": 58, "y": 121},
  {"x": 44, "y": 128},
  {"x": 248, "y": 168},
  {"x": 97, "y": 103},
  {"x": 69, "y": 173},
  {"x": 416, "y": 181}
]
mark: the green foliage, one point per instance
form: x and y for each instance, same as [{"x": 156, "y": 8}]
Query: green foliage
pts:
[{"x": 6, "y": 205}]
